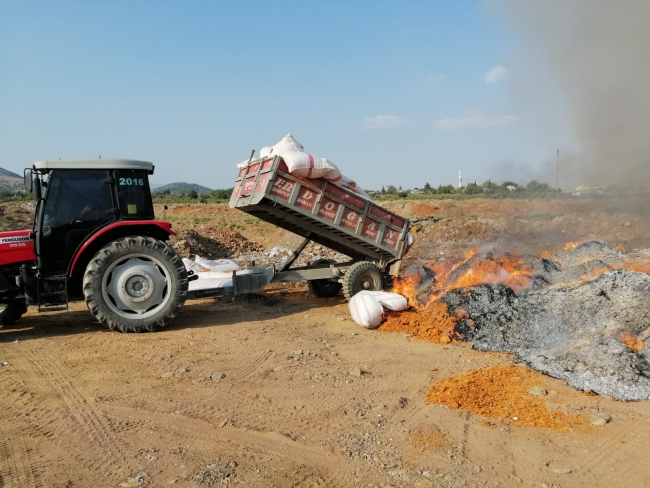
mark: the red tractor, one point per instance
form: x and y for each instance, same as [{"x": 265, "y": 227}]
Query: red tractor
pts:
[{"x": 94, "y": 238}]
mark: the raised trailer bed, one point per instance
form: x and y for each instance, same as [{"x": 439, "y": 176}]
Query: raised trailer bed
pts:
[{"x": 374, "y": 238}]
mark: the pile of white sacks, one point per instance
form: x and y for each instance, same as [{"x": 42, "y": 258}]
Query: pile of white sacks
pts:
[
  {"x": 301, "y": 163},
  {"x": 212, "y": 274},
  {"x": 367, "y": 307}
]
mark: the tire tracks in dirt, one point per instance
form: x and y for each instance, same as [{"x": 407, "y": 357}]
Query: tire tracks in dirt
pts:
[
  {"x": 17, "y": 468},
  {"x": 92, "y": 440}
]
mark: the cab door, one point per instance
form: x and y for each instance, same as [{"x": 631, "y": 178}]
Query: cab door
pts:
[{"x": 77, "y": 202}]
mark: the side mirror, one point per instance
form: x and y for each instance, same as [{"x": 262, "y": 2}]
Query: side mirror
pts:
[{"x": 29, "y": 180}]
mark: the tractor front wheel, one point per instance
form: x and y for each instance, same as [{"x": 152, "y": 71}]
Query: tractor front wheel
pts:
[{"x": 135, "y": 284}]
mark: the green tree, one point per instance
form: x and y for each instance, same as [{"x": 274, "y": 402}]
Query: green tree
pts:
[
  {"x": 472, "y": 189},
  {"x": 489, "y": 186},
  {"x": 445, "y": 189},
  {"x": 535, "y": 185},
  {"x": 427, "y": 188},
  {"x": 193, "y": 195},
  {"x": 203, "y": 197}
]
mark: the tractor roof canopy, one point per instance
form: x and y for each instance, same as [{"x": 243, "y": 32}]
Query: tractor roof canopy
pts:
[{"x": 48, "y": 165}]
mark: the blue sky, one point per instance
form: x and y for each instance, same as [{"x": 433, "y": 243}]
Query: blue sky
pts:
[{"x": 393, "y": 92}]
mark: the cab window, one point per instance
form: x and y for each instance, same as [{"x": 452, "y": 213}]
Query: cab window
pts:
[{"x": 133, "y": 195}]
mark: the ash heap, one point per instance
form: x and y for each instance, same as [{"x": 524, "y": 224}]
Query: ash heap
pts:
[{"x": 582, "y": 315}]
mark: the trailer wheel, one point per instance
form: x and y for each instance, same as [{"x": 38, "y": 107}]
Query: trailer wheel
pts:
[
  {"x": 135, "y": 284},
  {"x": 362, "y": 276},
  {"x": 11, "y": 312},
  {"x": 324, "y": 288}
]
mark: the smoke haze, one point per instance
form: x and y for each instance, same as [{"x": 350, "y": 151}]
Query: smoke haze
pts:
[{"x": 583, "y": 66}]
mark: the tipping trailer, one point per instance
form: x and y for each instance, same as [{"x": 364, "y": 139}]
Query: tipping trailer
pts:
[{"x": 374, "y": 238}]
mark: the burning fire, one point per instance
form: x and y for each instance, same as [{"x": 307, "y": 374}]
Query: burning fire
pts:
[
  {"x": 634, "y": 343},
  {"x": 571, "y": 245},
  {"x": 430, "y": 320}
]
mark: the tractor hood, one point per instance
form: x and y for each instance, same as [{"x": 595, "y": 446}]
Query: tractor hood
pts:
[{"x": 16, "y": 247}]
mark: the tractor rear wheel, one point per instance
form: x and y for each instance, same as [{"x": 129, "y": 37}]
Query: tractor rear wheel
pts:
[
  {"x": 324, "y": 288},
  {"x": 135, "y": 284},
  {"x": 12, "y": 311},
  {"x": 362, "y": 276}
]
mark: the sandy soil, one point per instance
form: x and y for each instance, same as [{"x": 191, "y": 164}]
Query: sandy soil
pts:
[{"x": 285, "y": 390}]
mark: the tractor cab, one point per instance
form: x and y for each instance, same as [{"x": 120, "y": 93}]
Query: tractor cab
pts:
[{"x": 77, "y": 198}]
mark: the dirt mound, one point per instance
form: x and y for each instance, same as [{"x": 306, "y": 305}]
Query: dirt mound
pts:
[{"x": 212, "y": 243}]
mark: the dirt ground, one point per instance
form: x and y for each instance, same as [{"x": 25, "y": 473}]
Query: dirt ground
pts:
[{"x": 284, "y": 390}]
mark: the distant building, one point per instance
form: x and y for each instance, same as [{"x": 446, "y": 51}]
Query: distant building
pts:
[{"x": 586, "y": 190}]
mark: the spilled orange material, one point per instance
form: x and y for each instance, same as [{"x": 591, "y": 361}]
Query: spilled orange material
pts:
[{"x": 501, "y": 393}]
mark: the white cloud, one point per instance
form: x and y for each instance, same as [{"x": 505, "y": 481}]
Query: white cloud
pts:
[
  {"x": 386, "y": 122},
  {"x": 497, "y": 75},
  {"x": 476, "y": 122}
]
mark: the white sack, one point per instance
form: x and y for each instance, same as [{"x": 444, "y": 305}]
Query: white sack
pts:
[
  {"x": 366, "y": 311},
  {"x": 391, "y": 301},
  {"x": 218, "y": 264},
  {"x": 287, "y": 144},
  {"x": 350, "y": 184},
  {"x": 214, "y": 279},
  {"x": 309, "y": 166},
  {"x": 301, "y": 163},
  {"x": 194, "y": 266}
]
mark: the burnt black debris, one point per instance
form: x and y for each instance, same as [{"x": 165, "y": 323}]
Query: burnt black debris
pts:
[{"x": 570, "y": 322}]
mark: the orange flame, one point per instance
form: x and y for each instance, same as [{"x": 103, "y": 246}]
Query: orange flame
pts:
[
  {"x": 639, "y": 267},
  {"x": 595, "y": 272},
  {"x": 571, "y": 245},
  {"x": 634, "y": 343},
  {"x": 407, "y": 287}
]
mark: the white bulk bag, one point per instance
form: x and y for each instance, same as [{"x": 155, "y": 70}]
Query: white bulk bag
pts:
[
  {"x": 392, "y": 301},
  {"x": 217, "y": 264},
  {"x": 366, "y": 311},
  {"x": 193, "y": 266},
  {"x": 214, "y": 279}
]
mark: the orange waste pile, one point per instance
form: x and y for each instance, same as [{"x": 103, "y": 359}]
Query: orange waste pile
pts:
[
  {"x": 502, "y": 393},
  {"x": 433, "y": 323}
]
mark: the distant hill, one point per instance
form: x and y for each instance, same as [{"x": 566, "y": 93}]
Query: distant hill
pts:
[
  {"x": 6, "y": 172},
  {"x": 10, "y": 181},
  {"x": 174, "y": 188}
]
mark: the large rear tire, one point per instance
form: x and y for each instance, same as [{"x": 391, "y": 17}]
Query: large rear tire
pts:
[
  {"x": 324, "y": 288},
  {"x": 362, "y": 276},
  {"x": 135, "y": 284},
  {"x": 11, "y": 312}
]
